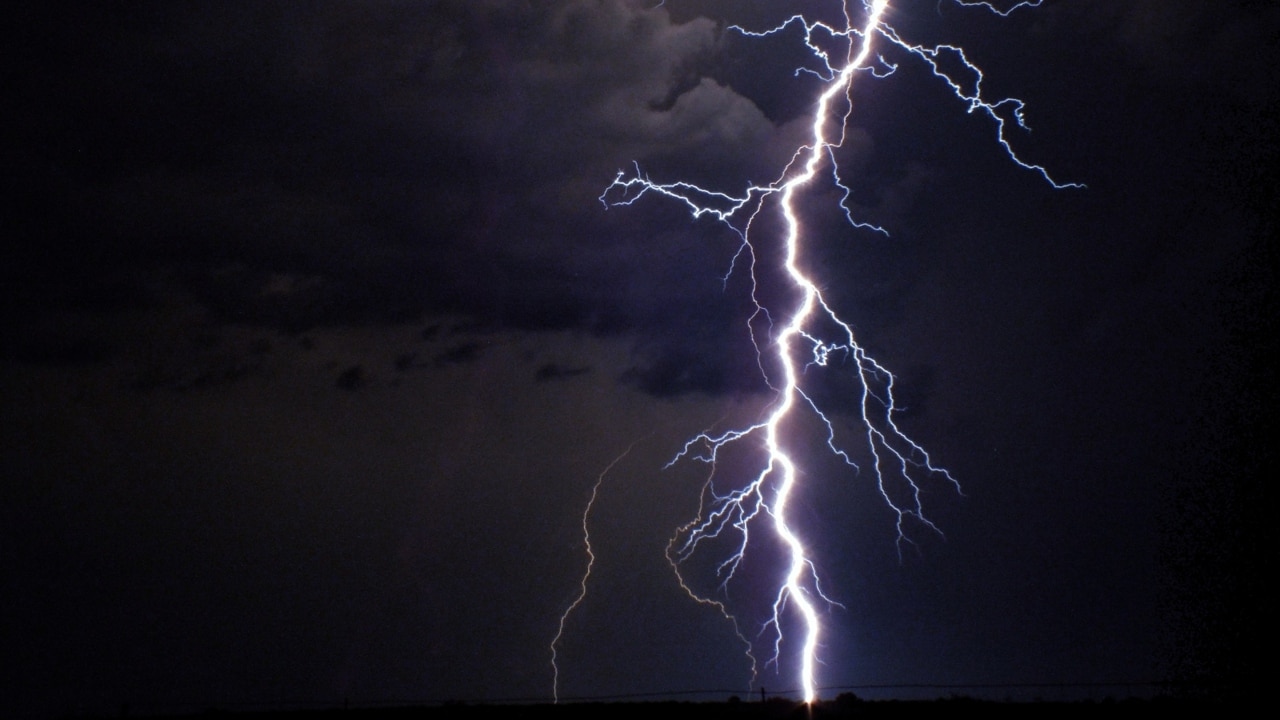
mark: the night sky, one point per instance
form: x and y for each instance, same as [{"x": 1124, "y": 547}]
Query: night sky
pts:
[{"x": 316, "y": 339}]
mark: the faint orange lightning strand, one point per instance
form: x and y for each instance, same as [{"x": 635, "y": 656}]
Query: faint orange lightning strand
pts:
[
  {"x": 586, "y": 574},
  {"x": 677, "y": 554}
]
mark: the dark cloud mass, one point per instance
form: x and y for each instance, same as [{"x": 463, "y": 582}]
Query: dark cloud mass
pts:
[
  {"x": 297, "y": 168},
  {"x": 316, "y": 336},
  {"x": 293, "y": 167}
]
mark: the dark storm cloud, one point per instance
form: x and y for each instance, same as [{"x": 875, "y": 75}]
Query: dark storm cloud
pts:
[
  {"x": 467, "y": 352},
  {"x": 292, "y": 167},
  {"x": 556, "y": 371},
  {"x": 353, "y": 378},
  {"x": 338, "y": 163}
]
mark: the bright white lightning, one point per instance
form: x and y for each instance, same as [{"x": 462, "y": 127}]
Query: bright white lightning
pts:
[{"x": 898, "y": 464}]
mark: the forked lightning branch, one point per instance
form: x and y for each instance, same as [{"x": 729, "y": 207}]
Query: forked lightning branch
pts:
[{"x": 806, "y": 338}]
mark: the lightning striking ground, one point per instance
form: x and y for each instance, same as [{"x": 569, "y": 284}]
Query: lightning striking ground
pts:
[
  {"x": 586, "y": 573},
  {"x": 811, "y": 335}
]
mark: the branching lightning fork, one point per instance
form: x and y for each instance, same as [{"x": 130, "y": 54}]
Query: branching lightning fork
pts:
[{"x": 813, "y": 330}]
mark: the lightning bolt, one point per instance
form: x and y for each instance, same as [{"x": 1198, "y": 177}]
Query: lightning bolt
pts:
[
  {"x": 586, "y": 573},
  {"x": 812, "y": 335}
]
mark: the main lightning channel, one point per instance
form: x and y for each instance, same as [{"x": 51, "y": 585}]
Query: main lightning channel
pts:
[
  {"x": 795, "y": 590},
  {"x": 898, "y": 464}
]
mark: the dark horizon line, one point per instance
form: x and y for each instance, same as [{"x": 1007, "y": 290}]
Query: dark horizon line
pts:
[{"x": 1157, "y": 690}]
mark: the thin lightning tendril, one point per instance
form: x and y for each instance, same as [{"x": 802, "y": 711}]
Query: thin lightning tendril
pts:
[
  {"x": 898, "y": 464},
  {"x": 586, "y": 573}
]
